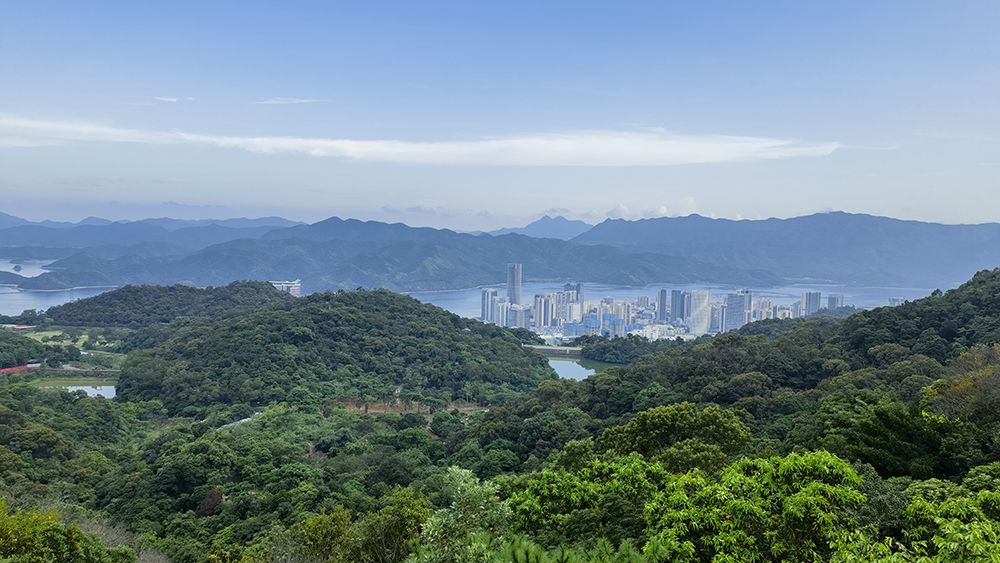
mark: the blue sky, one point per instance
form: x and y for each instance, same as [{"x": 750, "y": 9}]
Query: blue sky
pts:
[{"x": 475, "y": 115}]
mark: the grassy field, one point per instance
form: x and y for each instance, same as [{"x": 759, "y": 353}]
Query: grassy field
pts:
[{"x": 91, "y": 359}]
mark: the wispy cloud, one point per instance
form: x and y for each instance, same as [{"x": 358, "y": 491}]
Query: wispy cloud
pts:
[
  {"x": 165, "y": 99},
  {"x": 288, "y": 101},
  {"x": 581, "y": 148}
]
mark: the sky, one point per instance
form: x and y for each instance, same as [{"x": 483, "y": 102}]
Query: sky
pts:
[{"x": 481, "y": 115}]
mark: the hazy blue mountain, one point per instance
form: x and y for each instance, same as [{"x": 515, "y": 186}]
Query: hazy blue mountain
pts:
[
  {"x": 121, "y": 233},
  {"x": 238, "y": 223},
  {"x": 10, "y": 278},
  {"x": 7, "y": 221},
  {"x": 347, "y": 253},
  {"x": 336, "y": 228},
  {"x": 91, "y": 221},
  {"x": 549, "y": 227},
  {"x": 838, "y": 247},
  {"x": 336, "y": 253}
]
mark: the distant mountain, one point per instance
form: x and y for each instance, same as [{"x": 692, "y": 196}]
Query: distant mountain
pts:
[
  {"x": 345, "y": 254},
  {"x": 7, "y": 221},
  {"x": 85, "y": 236},
  {"x": 838, "y": 248},
  {"x": 846, "y": 248},
  {"x": 549, "y": 227},
  {"x": 238, "y": 223}
]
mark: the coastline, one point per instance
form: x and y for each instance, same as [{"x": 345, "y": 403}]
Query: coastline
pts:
[{"x": 67, "y": 288}]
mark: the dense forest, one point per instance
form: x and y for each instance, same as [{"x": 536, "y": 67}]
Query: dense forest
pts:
[
  {"x": 870, "y": 438},
  {"x": 363, "y": 346},
  {"x": 137, "y": 306}
]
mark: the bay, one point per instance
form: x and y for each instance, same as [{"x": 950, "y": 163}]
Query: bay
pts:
[{"x": 14, "y": 302}]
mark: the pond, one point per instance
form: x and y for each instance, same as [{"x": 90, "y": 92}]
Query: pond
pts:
[
  {"x": 93, "y": 386},
  {"x": 577, "y": 368}
]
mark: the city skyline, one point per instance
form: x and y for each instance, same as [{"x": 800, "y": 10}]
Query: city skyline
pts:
[{"x": 562, "y": 316}]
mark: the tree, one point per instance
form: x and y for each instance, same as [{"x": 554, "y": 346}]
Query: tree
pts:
[
  {"x": 325, "y": 538},
  {"x": 778, "y": 509},
  {"x": 465, "y": 531},
  {"x": 34, "y": 537},
  {"x": 384, "y": 536},
  {"x": 680, "y": 436}
]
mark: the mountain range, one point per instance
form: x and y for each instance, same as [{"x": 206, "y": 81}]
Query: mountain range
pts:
[{"x": 836, "y": 248}]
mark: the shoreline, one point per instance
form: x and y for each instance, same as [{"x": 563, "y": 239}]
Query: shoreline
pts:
[{"x": 67, "y": 288}]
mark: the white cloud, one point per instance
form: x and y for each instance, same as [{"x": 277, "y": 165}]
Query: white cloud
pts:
[
  {"x": 584, "y": 148},
  {"x": 619, "y": 212},
  {"x": 687, "y": 206},
  {"x": 660, "y": 211},
  {"x": 165, "y": 99},
  {"x": 288, "y": 101}
]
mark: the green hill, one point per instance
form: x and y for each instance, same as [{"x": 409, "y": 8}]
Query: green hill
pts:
[
  {"x": 361, "y": 345},
  {"x": 137, "y": 306}
]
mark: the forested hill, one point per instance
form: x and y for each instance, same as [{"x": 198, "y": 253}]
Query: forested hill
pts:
[
  {"x": 874, "y": 438},
  {"x": 360, "y": 345},
  {"x": 136, "y": 306}
]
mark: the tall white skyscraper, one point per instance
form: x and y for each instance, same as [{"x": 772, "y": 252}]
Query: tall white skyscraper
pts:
[
  {"x": 699, "y": 317},
  {"x": 514, "y": 283},
  {"x": 489, "y": 305},
  {"x": 834, "y": 301},
  {"x": 810, "y": 302}
]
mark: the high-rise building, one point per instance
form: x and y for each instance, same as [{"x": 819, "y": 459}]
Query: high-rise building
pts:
[
  {"x": 489, "y": 305},
  {"x": 501, "y": 314},
  {"x": 544, "y": 311},
  {"x": 699, "y": 318},
  {"x": 677, "y": 302},
  {"x": 810, "y": 302},
  {"x": 765, "y": 309},
  {"x": 662, "y": 310},
  {"x": 738, "y": 308},
  {"x": 834, "y": 301},
  {"x": 718, "y": 323},
  {"x": 293, "y": 287},
  {"x": 517, "y": 316},
  {"x": 643, "y": 301},
  {"x": 514, "y": 283}
]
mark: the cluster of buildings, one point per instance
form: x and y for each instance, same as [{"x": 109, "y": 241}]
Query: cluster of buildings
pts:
[
  {"x": 567, "y": 314},
  {"x": 293, "y": 287}
]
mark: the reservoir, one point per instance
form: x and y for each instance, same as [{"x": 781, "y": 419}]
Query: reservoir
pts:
[
  {"x": 92, "y": 386},
  {"x": 577, "y": 369}
]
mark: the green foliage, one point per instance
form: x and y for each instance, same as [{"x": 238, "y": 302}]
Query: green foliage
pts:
[
  {"x": 34, "y": 537},
  {"x": 467, "y": 530},
  {"x": 137, "y": 306},
  {"x": 360, "y": 345},
  {"x": 17, "y": 350},
  {"x": 680, "y": 436},
  {"x": 604, "y": 499},
  {"x": 778, "y": 509},
  {"x": 631, "y": 348},
  {"x": 871, "y": 438}
]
